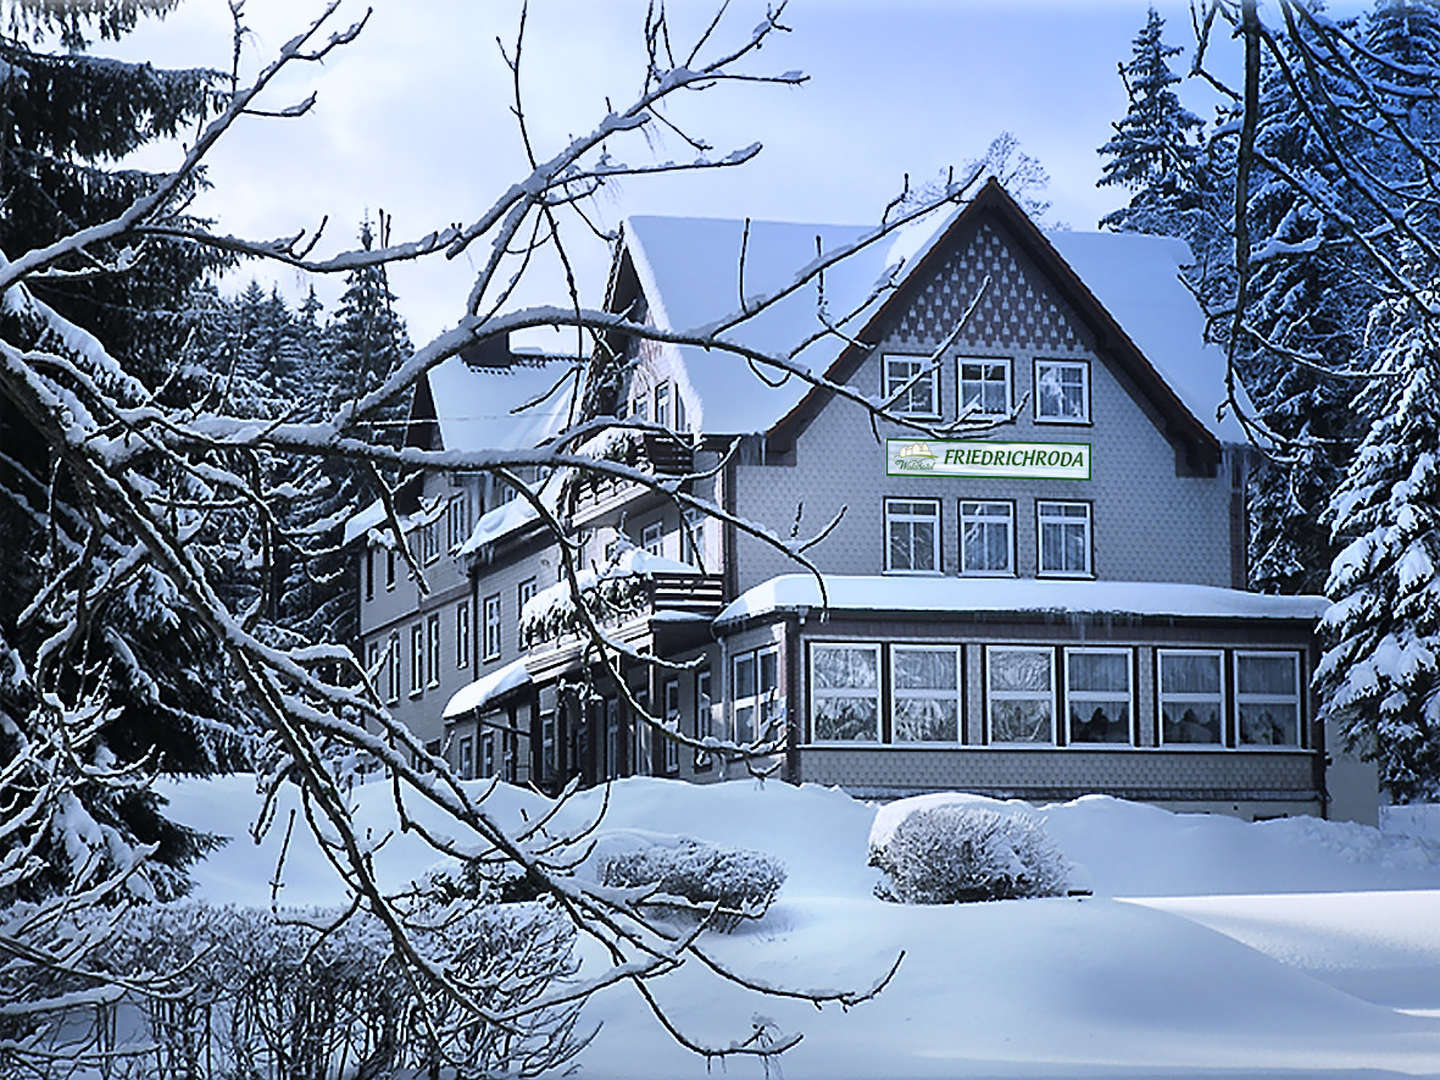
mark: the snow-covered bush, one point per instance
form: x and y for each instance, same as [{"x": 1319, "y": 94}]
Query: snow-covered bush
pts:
[
  {"x": 954, "y": 854},
  {"x": 691, "y": 875},
  {"x": 258, "y": 998}
]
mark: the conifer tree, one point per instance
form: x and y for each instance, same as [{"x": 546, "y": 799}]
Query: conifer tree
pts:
[
  {"x": 1155, "y": 153},
  {"x": 157, "y": 687},
  {"x": 1380, "y": 674}
]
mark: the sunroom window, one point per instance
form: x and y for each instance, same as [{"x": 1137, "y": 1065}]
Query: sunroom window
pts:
[
  {"x": 1098, "y": 695},
  {"x": 1021, "y": 692},
  {"x": 1191, "y": 698},
  {"x": 926, "y": 692},
  {"x": 1267, "y": 698},
  {"x": 845, "y": 693}
]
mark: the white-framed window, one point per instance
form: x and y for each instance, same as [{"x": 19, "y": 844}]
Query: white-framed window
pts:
[
  {"x": 369, "y": 573},
  {"x": 912, "y": 536},
  {"x": 692, "y": 536},
  {"x": 490, "y": 643},
  {"x": 987, "y": 538},
  {"x": 389, "y": 568},
  {"x": 417, "y": 659},
  {"x": 671, "y": 749},
  {"x": 467, "y": 758},
  {"x": 662, "y": 404},
  {"x": 914, "y": 383},
  {"x": 1192, "y": 697},
  {"x": 844, "y": 692},
  {"x": 1099, "y": 696},
  {"x": 1267, "y": 698},
  {"x": 392, "y": 672},
  {"x": 641, "y": 736},
  {"x": 985, "y": 386},
  {"x": 372, "y": 660},
  {"x": 754, "y": 686},
  {"x": 612, "y": 738},
  {"x": 430, "y": 542},
  {"x": 487, "y": 754},
  {"x": 1062, "y": 391},
  {"x": 652, "y": 537},
  {"x": 682, "y": 422},
  {"x": 523, "y": 594},
  {"x": 462, "y": 634},
  {"x": 925, "y": 693},
  {"x": 1064, "y": 531},
  {"x": 1020, "y": 695},
  {"x": 704, "y": 715},
  {"x": 457, "y": 521},
  {"x": 547, "y": 744},
  {"x": 432, "y": 644},
  {"x": 640, "y": 409}
]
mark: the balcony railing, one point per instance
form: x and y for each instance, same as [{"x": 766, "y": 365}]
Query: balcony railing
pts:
[
  {"x": 659, "y": 455},
  {"x": 620, "y": 600}
]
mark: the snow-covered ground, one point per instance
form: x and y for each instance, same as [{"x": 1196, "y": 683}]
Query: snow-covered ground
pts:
[{"x": 1211, "y": 947}]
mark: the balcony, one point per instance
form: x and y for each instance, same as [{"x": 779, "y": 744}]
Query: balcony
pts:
[
  {"x": 659, "y": 455},
  {"x": 621, "y": 601}
]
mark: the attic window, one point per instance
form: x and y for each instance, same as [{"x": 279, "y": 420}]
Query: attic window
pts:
[
  {"x": 985, "y": 387},
  {"x": 912, "y": 383},
  {"x": 662, "y": 404},
  {"x": 1062, "y": 391}
]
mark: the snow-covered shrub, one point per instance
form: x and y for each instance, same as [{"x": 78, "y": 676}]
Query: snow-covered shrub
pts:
[
  {"x": 954, "y": 854},
  {"x": 691, "y": 875},
  {"x": 259, "y": 998}
]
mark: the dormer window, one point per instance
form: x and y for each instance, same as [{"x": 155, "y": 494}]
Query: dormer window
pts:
[
  {"x": 662, "y": 404},
  {"x": 912, "y": 383}
]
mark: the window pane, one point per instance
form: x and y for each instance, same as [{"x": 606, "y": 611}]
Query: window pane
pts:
[
  {"x": 846, "y": 668},
  {"x": 1100, "y": 672},
  {"x": 767, "y": 671},
  {"x": 1077, "y": 549},
  {"x": 1020, "y": 721},
  {"x": 922, "y": 542},
  {"x": 926, "y": 720},
  {"x": 1100, "y": 721},
  {"x": 1269, "y": 725},
  {"x": 1182, "y": 674},
  {"x": 744, "y": 677},
  {"x": 1266, "y": 675},
  {"x": 1013, "y": 669},
  {"x": 1191, "y": 723},
  {"x": 846, "y": 718},
  {"x": 924, "y": 669}
]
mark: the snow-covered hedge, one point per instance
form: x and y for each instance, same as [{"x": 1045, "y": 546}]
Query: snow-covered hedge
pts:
[
  {"x": 691, "y": 875},
  {"x": 254, "y": 997},
  {"x": 951, "y": 854}
]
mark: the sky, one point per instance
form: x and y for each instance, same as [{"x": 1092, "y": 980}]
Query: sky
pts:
[{"x": 414, "y": 117}]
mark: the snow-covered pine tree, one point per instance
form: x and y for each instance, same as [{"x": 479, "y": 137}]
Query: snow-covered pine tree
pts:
[
  {"x": 365, "y": 340},
  {"x": 106, "y": 638},
  {"x": 1380, "y": 674},
  {"x": 1155, "y": 152},
  {"x": 1305, "y": 308}
]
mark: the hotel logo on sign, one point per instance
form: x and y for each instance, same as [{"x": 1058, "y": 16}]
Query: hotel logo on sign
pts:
[{"x": 1036, "y": 461}]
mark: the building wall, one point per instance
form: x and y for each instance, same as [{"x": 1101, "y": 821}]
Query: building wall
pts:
[{"x": 1142, "y": 505}]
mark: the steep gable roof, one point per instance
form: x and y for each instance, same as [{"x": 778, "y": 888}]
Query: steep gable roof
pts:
[{"x": 1124, "y": 287}]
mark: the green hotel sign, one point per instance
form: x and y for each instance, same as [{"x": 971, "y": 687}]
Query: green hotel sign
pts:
[{"x": 1036, "y": 461}]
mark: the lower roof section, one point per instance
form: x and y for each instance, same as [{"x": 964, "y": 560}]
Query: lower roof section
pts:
[
  {"x": 487, "y": 688},
  {"x": 962, "y": 595}
]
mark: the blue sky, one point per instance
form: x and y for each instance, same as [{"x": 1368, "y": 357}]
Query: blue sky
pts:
[{"x": 413, "y": 118}]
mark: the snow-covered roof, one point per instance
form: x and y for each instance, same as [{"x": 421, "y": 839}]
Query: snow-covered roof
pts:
[
  {"x": 473, "y": 405},
  {"x": 1137, "y": 279},
  {"x": 500, "y": 522},
  {"x": 689, "y": 271},
  {"x": 790, "y": 592},
  {"x": 362, "y": 522},
  {"x": 487, "y": 688}
]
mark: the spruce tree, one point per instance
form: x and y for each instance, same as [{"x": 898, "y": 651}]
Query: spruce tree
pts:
[
  {"x": 158, "y": 690},
  {"x": 1380, "y": 674},
  {"x": 1155, "y": 153}
]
